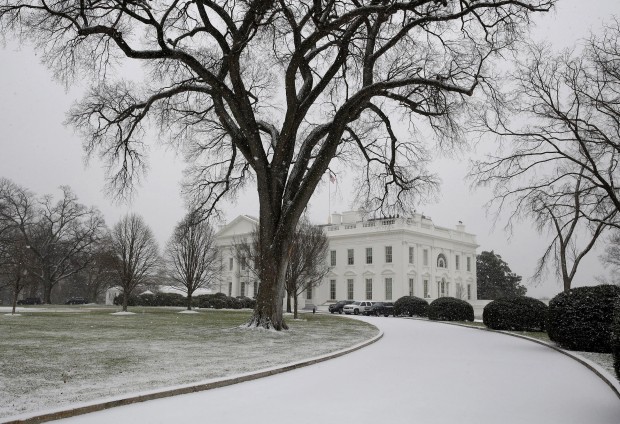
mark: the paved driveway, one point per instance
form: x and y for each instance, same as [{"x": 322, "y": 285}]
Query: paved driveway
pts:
[{"x": 420, "y": 372}]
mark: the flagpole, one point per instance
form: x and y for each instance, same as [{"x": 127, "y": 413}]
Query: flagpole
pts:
[{"x": 329, "y": 197}]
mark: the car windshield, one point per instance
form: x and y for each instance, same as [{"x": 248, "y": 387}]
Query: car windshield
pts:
[{"x": 356, "y": 303}]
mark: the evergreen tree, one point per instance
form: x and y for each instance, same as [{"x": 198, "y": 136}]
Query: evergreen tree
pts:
[{"x": 495, "y": 278}]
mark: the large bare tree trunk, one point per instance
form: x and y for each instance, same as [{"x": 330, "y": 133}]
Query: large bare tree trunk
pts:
[
  {"x": 296, "y": 303},
  {"x": 15, "y": 294}
]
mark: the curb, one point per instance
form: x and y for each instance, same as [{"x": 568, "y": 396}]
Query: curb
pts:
[
  {"x": 586, "y": 363},
  {"x": 223, "y": 382}
]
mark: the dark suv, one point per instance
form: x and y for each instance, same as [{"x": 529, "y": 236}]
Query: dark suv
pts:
[
  {"x": 337, "y": 307},
  {"x": 30, "y": 301},
  {"x": 381, "y": 308},
  {"x": 76, "y": 301}
]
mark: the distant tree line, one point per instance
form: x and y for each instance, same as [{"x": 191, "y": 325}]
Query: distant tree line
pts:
[{"x": 58, "y": 248}]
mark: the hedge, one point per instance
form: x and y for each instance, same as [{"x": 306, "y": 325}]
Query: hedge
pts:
[
  {"x": 581, "y": 319},
  {"x": 518, "y": 313},
  {"x": 216, "y": 301},
  {"x": 410, "y": 306},
  {"x": 450, "y": 309}
]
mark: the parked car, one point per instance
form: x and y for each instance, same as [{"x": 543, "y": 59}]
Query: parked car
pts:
[
  {"x": 76, "y": 301},
  {"x": 29, "y": 301},
  {"x": 381, "y": 308},
  {"x": 356, "y": 308},
  {"x": 337, "y": 307}
]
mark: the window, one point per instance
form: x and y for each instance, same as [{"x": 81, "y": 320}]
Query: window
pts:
[
  {"x": 425, "y": 257},
  {"x": 411, "y": 287},
  {"x": 468, "y": 264},
  {"x": 457, "y": 262},
  {"x": 309, "y": 293},
  {"x": 369, "y": 289},
  {"x": 242, "y": 261},
  {"x": 332, "y": 289},
  {"x": 469, "y": 292},
  {"x": 230, "y": 264},
  {"x": 242, "y": 289},
  {"x": 229, "y": 288},
  {"x": 426, "y": 294},
  {"x": 332, "y": 255},
  {"x": 388, "y": 254},
  {"x": 441, "y": 261},
  {"x": 369, "y": 255},
  {"x": 255, "y": 289},
  {"x": 410, "y": 254},
  {"x": 350, "y": 257},
  {"x": 350, "y": 289},
  {"x": 388, "y": 289},
  {"x": 442, "y": 288}
]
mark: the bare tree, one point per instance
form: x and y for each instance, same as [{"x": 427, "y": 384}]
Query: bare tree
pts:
[
  {"x": 136, "y": 253},
  {"x": 14, "y": 257},
  {"x": 307, "y": 264},
  {"x": 60, "y": 236},
  {"x": 574, "y": 234},
  {"x": 275, "y": 91},
  {"x": 191, "y": 256},
  {"x": 560, "y": 168},
  {"x": 100, "y": 273}
]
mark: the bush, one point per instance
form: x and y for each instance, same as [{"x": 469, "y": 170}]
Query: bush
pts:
[
  {"x": 169, "y": 299},
  {"x": 131, "y": 301},
  {"x": 410, "y": 306},
  {"x": 450, "y": 309},
  {"x": 519, "y": 313},
  {"x": 246, "y": 302},
  {"x": 615, "y": 341},
  {"x": 581, "y": 319}
]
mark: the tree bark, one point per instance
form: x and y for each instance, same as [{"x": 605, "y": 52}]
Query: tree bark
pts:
[
  {"x": 274, "y": 244},
  {"x": 125, "y": 300},
  {"x": 15, "y": 294},
  {"x": 288, "y": 302},
  {"x": 189, "y": 301},
  {"x": 295, "y": 302}
]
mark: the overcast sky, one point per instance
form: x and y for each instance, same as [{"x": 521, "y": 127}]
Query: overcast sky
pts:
[{"x": 40, "y": 153}]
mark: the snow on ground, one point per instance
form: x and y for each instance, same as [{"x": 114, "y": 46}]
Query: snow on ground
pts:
[
  {"x": 420, "y": 372},
  {"x": 121, "y": 313},
  {"x": 185, "y": 311}
]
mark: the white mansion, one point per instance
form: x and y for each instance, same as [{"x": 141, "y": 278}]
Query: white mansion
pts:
[{"x": 375, "y": 259}]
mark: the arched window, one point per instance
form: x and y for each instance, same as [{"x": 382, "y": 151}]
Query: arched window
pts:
[{"x": 441, "y": 261}]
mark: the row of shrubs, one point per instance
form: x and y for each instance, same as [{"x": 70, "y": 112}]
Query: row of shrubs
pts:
[
  {"x": 442, "y": 309},
  {"x": 582, "y": 319},
  {"x": 215, "y": 301}
]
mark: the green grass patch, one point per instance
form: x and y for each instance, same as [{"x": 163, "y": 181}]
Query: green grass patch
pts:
[{"x": 62, "y": 355}]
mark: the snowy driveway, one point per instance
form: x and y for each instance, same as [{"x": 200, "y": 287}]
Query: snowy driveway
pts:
[{"x": 419, "y": 372}]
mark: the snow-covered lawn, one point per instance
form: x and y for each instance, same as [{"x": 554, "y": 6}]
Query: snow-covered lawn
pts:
[
  {"x": 419, "y": 372},
  {"x": 55, "y": 356}
]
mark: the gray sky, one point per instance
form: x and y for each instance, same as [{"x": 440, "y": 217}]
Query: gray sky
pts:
[{"x": 40, "y": 153}]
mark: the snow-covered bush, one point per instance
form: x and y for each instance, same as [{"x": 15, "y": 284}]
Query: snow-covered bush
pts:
[
  {"x": 450, "y": 309},
  {"x": 520, "y": 313},
  {"x": 410, "y": 306},
  {"x": 615, "y": 340},
  {"x": 581, "y": 319}
]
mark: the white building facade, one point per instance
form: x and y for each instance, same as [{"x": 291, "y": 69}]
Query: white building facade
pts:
[
  {"x": 384, "y": 259},
  {"x": 376, "y": 259}
]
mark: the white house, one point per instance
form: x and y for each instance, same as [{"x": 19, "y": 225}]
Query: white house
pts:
[
  {"x": 375, "y": 259},
  {"x": 384, "y": 259}
]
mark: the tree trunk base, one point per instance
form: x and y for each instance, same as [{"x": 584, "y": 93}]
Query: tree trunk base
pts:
[{"x": 265, "y": 323}]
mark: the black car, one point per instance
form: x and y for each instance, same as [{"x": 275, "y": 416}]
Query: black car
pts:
[
  {"x": 381, "y": 308},
  {"x": 76, "y": 301},
  {"x": 29, "y": 301},
  {"x": 337, "y": 307}
]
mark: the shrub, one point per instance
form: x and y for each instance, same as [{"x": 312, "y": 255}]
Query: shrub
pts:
[
  {"x": 170, "y": 299},
  {"x": 246, "y": 302},
  {"x": 615, "y": 341},
  {"x": 581, "y": 319},
  {"x": 410, "y": 306},
  {"x": 131, "y": 301},
  {"x": 519, "y": 313},
  {"x": 450, "y": 309}
]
